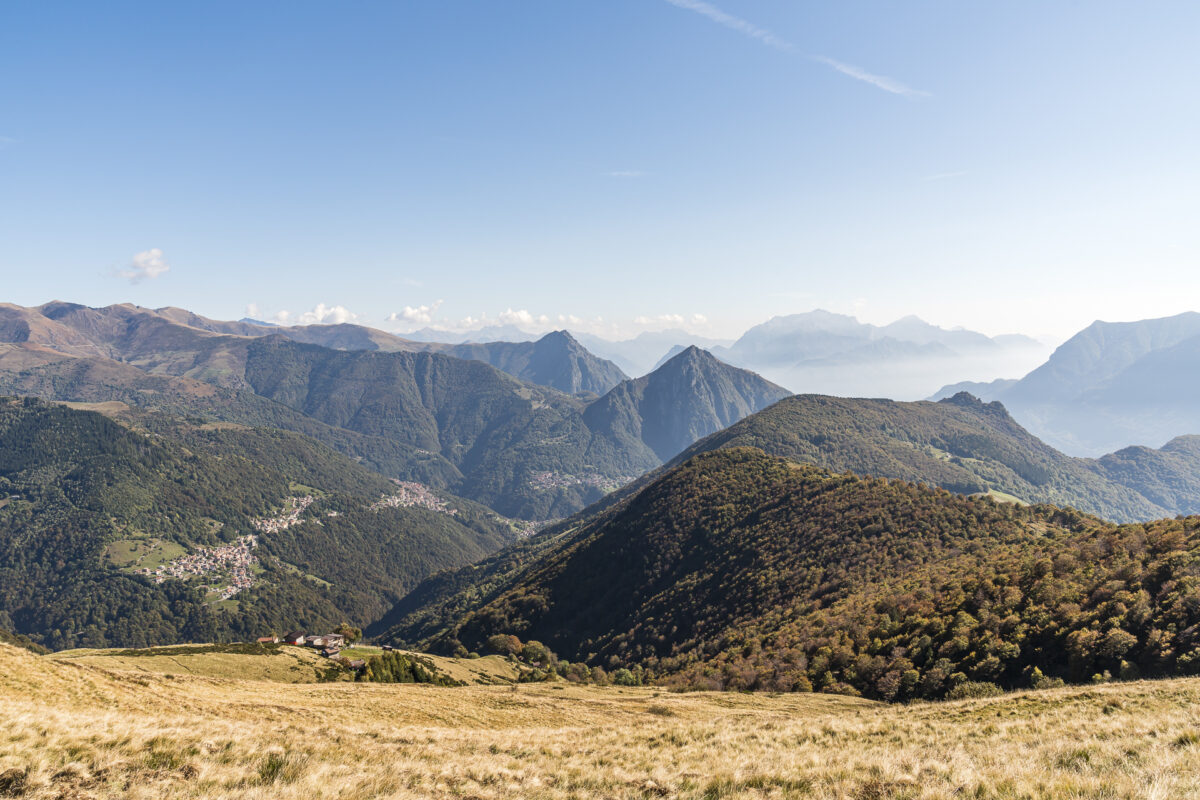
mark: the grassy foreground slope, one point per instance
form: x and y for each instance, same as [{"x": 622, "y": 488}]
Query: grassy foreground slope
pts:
[{"x": 81, "y": 731}]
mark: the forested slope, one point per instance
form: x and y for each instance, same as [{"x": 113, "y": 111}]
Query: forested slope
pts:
[
  {"x": 90, "y": 508},
  {"x": 741, "y": 570}
]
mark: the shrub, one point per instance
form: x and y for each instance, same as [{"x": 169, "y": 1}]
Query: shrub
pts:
[
  {"x": 1038, "y": 680},
  {"x": 535, "y": 653},
  {"x": 973, "y": 689},
  {"x": 624, "y": 677},
  {"x": 504, "y": 644}
]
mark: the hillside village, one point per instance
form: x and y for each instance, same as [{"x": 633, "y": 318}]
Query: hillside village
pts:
[
  {"x": 235, "y": 559},
  {"x": 293, "y": 508},
  {"x": 413, "y": 495}
]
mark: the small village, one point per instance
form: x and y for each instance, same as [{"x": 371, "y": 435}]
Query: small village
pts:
[
  {"x": 562, "y": 480},
  {"x": 413, "y": 495},
  {"x": 235, "y": 559},
  {"x": 329, "y": 645},
  {"x": 293, "y": 508}
]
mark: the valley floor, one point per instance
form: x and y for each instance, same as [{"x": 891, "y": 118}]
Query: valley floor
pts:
[{"x": 73, "y": 729}]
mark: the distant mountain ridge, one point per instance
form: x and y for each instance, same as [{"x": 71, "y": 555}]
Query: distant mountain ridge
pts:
[
  {"x": 827, "y": 353},
  {"x": 1111, "y": 385},
  {"x": 967, "y": 446},
  {"x": 132, "y": 334},
  {"x": 418, "y": 413}
]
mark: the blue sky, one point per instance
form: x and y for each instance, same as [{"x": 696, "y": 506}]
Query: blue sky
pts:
[{"x": 1016, "y": 166}]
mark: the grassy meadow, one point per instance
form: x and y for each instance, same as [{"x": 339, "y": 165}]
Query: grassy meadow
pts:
[
  {"x": 275, "y": 663},
  {"x": 73, "y": 729}
]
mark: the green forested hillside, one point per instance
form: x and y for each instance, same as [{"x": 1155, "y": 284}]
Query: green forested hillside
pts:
[
  {"x": 523, "y": 450},
  {"x": 53, "y": 376},
  {"x": 742, "y": 570},
  {"x": 88, "y": 506},
  {"x": 967, "y": 446}
]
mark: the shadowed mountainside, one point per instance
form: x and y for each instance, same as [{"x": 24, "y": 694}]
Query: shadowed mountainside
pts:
[{"x": 741, "y": 570}]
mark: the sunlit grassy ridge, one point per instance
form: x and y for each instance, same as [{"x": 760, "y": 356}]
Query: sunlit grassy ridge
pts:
[
  {"x": 71, "y": 730},
  {"x": 276, "y": 663}
]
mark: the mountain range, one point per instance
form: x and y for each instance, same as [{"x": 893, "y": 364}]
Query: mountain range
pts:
[
  {"x": 820, "y": 351},
  {"x": 126, "y": 332},
  {"x": 1111, "y": 385},
  {"x": 527, "y": 450},
  {"x": 191, "y": 479},
  {"x": 827, "y": 353}
]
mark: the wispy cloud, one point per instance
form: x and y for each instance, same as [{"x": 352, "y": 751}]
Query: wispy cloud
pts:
[
  {"x": 5, "y": 141},
  {"x": 734, "y": 23},
  {"x": 146, "y": 265},
  {"x": 626, "y": 173},
  {"x": 878, "y": 81},
  {"x": 660, "y": 321},
  {"x": 747, "y": 28}
]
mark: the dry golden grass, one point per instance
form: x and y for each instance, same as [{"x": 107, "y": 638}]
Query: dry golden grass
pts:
[
  {"x": 286, "y": 664},
  {"x": 76, "y": 730}
]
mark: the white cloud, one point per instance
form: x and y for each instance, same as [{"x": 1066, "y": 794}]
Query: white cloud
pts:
[
  {"x": 5, "y": 141},
  {"x": 523, "y": 319},
  {"x": 146, "y": 265},
  {"x": 414, "y": 315},
  {"x": 425, "y": 316},
  {"x": 747, "y": 28},
  {"x": 626, "y": 173},
  {"x": 252, "y": 311},
  {"x": 878, "y": 81},
  {"x": 320, "y": 315},
  {"x": 692, "y": 323}
]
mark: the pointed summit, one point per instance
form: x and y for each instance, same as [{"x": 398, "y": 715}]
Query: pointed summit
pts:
[{"x": 690, "y": 396}]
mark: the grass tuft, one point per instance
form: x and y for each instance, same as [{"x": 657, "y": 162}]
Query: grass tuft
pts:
[{"x": 279, "y": 768}]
